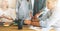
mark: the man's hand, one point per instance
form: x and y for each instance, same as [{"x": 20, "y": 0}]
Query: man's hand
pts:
[
  {"x": 35, "y": 24},
  {"x": 35, "y": 21},
  {"x": 27, "y": 22}
]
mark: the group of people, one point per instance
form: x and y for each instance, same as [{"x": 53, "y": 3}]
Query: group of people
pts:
[
  {"x": 50, "y": 14},
  {"x": 46, "y": 11}
]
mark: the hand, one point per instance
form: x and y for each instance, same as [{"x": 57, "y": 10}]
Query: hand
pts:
[
  {"x": 39, "y": 13},
  {"x": 35, "y": 21},
  {"x": 2, "y": 16},
  {"x": 7, "y": 17},
  {"x": 35, "y": 24},
  {"x": 27, "y": 22}
]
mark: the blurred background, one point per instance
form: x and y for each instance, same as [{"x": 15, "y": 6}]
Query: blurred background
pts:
[{"x": 11, "y": 3}]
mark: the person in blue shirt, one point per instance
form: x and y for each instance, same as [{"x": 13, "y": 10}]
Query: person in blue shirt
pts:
[{"x": 23, "y": 9}]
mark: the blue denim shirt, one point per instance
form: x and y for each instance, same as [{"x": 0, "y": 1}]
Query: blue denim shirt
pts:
[{"x": 22, "y": 9}]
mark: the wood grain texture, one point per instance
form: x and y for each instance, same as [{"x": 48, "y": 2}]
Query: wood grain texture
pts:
[{"x": 14, "y": 28}]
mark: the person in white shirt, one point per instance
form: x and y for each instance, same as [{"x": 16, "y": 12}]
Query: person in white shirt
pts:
[
  {"x": 7, "y": 15},
  {"x": 54, "y": 19}
]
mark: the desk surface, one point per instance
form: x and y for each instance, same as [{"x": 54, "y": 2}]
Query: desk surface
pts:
[{"x": 14, "y": 28}]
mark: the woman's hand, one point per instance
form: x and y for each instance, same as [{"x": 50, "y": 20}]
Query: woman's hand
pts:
[
  {"x": 7, "y": 17},
  {"x": 2, "y": 16}
]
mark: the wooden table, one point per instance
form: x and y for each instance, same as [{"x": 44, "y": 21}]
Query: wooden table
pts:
[{"x": 14, "y": 28}]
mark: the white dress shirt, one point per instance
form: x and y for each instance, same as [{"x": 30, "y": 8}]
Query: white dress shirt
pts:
[
  {"x": 9, "y": 12},
  {"x": 54, "y": 19}
]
